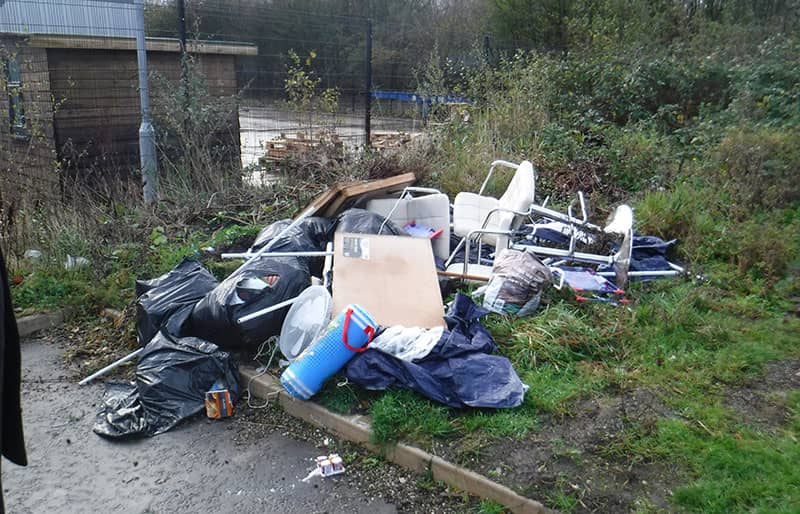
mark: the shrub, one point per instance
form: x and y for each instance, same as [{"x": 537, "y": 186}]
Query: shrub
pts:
[{"x": 757, "y": 168}]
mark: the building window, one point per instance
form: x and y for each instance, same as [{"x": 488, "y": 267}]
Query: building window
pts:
[{"x": 16, "y": 110}]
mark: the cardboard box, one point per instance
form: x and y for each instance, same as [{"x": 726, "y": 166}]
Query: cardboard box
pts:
[{"x": 392, "y": 277}]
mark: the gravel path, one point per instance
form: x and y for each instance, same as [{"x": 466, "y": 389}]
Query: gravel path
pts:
[{"x": 253, "y": 462}]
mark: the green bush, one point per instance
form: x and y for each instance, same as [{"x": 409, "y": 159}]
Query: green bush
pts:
[{"x": 758, "y": 168}]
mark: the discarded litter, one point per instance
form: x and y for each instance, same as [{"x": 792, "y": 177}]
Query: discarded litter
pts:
[
  {"x": 394, "y": 278},
  {"x": 218, "y": 401},
  {"x": 309, "y": 235},
  {"x": 348, "y": 334},
  {"x": 359, "y": 221},
  {"x": 262, "y": 282},
  {"x": 75, "y": 262},
  {"x": 459, "y": 371},
  {"x": 326, "y": 466},
  {"x": 415, "y": 229},
  {"x": 306, "y": 320},
  {"x": 172, "y": 378},
  {"x": 389, "y": 327},
  {"x": 589, "y": 286},
  {"x": 162, "y": 297},
  {"x": 518, "y": 280}
]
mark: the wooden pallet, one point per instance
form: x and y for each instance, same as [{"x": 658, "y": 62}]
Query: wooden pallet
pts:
[
  {"x": 285, "y": 146},
  {"x": 381, "y": 140}
]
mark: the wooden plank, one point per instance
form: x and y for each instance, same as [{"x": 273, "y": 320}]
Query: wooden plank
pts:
[
  {"x": 353, "y": 191},
  {"x": 392, "y": 277},
  {"x": 152, "y": 44},
  {"x": 462, "y": 276},
  {"x": 330, "y": 202},
  {"x": 323, "y": 200}
]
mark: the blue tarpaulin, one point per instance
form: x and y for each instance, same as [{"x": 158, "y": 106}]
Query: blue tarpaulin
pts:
[{"x": 459, "y": 371}]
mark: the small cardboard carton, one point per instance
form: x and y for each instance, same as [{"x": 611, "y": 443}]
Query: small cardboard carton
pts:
[{"x": 218, "y": 402}]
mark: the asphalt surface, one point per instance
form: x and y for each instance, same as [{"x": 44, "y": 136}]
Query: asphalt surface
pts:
[{"x": 200, "y": 466}]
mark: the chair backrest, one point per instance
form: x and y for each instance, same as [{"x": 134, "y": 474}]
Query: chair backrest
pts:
[
  {"x": 522, "y": 190},
  {"x": 432, "y": 210}
]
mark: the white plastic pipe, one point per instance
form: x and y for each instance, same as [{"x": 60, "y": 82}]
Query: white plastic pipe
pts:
[
  {"x": 276, "y": 254},
  {"x": 267, "y": 310},
  {"x": 110, "y": 367},
  {"x": 328, "y": 266},
  {"x": 305, "y": 214}
]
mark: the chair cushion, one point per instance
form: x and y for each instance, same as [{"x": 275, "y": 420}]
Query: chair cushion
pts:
[{"x": 470, "y": 211}]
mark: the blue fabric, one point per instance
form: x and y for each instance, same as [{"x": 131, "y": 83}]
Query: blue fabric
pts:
[{"x": 458, "y": 372}]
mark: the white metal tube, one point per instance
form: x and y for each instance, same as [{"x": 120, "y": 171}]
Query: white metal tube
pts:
[
  {"x": 659, "y": 273},
  {"x": 328, "y": 266},
  {"x": 110, "y": 367},
  {"x": 557, "y": 216},
  {"x": 267, "y": 310},
  {"x": 276, "y": 254},
  {"x": 305, "y": 214},
  {"x": 576, "y": 256}
]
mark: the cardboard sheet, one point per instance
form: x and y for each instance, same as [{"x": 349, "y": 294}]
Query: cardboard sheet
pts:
[{"x": 392, "y": 277}]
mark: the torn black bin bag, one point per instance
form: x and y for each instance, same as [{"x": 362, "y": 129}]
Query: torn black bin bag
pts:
[
  {"x": 458, "y": 372},
  {"x": 121, "y": 413},
  {"x": 262, "y": 283},
  {"x": 359, "y": 221},
  {"x": 187, "y": 266},
  {"x": 310, "y": 235},
  {"x": 172, "y": 378},
  {"x": 162, "y": 297}
]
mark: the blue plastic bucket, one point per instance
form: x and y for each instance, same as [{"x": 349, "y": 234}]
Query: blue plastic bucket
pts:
[{"x": 349, "y": 333}]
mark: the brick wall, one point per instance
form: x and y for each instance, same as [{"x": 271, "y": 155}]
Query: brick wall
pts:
[{"x": 98, "y": 118}]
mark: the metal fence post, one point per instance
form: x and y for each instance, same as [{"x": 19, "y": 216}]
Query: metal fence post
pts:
[
  {"x": 184, "y": 54},
  {"x": 147, "y": 139},
  {"x": 368, "y": 88}
]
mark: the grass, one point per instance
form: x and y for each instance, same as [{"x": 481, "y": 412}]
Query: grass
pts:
[
  {"x": 403, "y": 414},
  {"x": 340, "y": 397},
  {"x": 490, "y": 507},
  {"x": 689, "y": 341}
]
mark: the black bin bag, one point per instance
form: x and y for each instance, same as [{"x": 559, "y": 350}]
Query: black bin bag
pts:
[
  {"x": 172, "y": 378},
  {"x": 262, "y": 283},
  {"x": 360, "y": 221},
  {"x": 310, "y": 235},
  {"x": 159, "y": 299}
]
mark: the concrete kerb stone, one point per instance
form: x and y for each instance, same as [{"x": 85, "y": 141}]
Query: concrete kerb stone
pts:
[
  {"x": 357, "y": 429},
  {"x": 29, "y": 325}
]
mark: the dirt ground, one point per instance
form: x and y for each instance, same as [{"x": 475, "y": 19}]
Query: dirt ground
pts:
[
  {"x": 567, "y": 454},
  {"x": 253, "y": 462},
  {"x": 762, "y": 401},
  {"x": 571, "y": 453}
]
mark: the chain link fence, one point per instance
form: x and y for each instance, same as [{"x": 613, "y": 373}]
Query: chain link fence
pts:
[{"x": 254, "y": 84}]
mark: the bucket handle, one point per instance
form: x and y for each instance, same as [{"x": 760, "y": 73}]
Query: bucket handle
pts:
[{"x": 369, "y": 330}]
